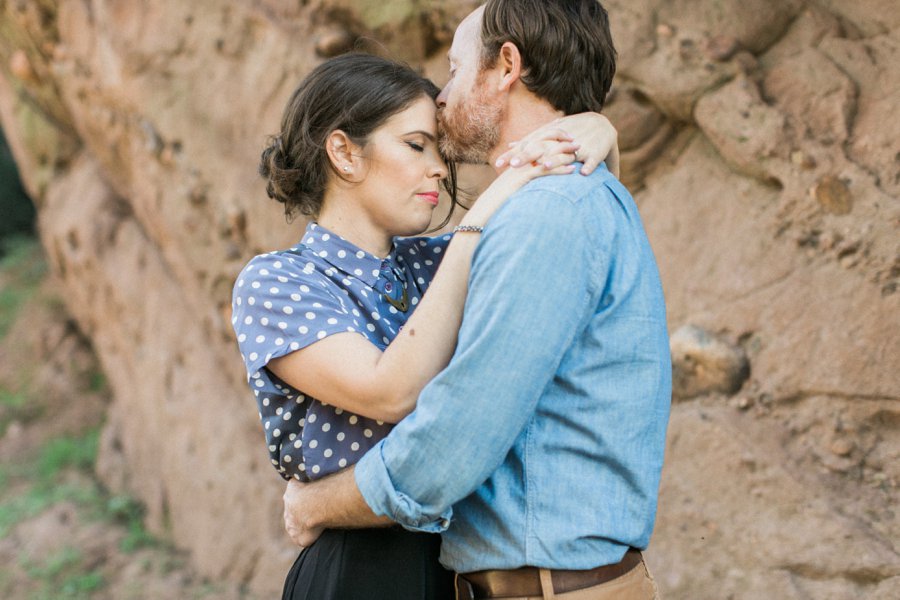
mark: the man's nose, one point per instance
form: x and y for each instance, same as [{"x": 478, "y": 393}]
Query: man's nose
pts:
[{"x": 441, "y": 100}]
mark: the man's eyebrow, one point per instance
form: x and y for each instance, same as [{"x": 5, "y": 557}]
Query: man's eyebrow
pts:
[{"x": 428, "y": 135}]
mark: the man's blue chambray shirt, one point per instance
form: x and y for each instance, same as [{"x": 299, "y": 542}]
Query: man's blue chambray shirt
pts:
[{"x": 546, "y": 432}]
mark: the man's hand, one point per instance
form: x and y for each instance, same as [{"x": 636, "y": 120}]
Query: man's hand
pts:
[{"x": 297, "y": 502}]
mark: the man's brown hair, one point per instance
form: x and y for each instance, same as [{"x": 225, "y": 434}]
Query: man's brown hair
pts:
[{"x": 567, "y": 51}]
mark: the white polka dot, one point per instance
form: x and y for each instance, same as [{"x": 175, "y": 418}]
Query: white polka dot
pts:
[
  {"x": 302, "y": 466},
  {"x": 323, "y": 254},
  {"x": 267, "y": 304},
  {"x": 255, "y": 285},
  {"x": 310, "y": 315},
  {"x": 416, "y": 266},
  {"x": 248, "y": 320},
  {"x": 357, "y": 272},
  {"x": 341, "y": 436},
  {"x": 264, "y": 321},
  {"x": 279, "y": 342},
  {"x": 288, "y": 310},
  {"x": 342, "y": 463},
  {"x": 304, "y": 289},
  {"x": 392, "y": 310},
  {"x": 287, "y": 458},
  {"x": 421, "y": 281},
  {"x": 429, "y": 262},
  {"x": 266, "y": 401},
  {"x": 437, "y": 250},
  {"x": 309, "y": 240},
  {"x": 375, "y": 272},
  {"x": 354, "y": 446},
  {"x": 292, "y": 437},
  {"x": 263, "y": 271},
  {"x": 238, "y": 301},
  {"x": 273, "y": 448},
  {"x": 282, "y": 325},
  {"x": 360, "y": 254},
  {"x": 295, "y": 346},
  {"x": 242, "y": 338},
  {"x": 241, "y": 283},
  {"x": 321, "y": 335},
  {"x": 325, "y": 237},
  {"x": 298, "y": 444},
  {"x": 338, "y": 411},
  {"x": 327, "y": 453},
  {"x": 279, "y": 410},
  {"x": 367, "y": 432},
  {"x": 303, "y": 329},
  {"x": 259, "y": 382},
  {"x": 355, "y": 312},
  {"x": 276, "y": 433},
  {"x": 332, "y": 321},
  {"x": 326, "y": 427},
  {"x": 286, "y": 416},
  {"x": 353, "y": 419},
  {"x": 316, "y": 469},
  {"x": 254, "y": 356},
  {"x": 385, "y": 340},
  {"x": 375, "y": 315},
  {"x": 414, "y": 301},
  {"x": 296, "y": 297},
  {"x": 342, "y": 254},
  {"x": 313, "y": 443},
  {"x": 273, "y": 290},
  {"x": 260, "y": 339}
]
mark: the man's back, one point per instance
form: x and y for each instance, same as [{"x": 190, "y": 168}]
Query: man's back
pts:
[{"x": 580, "y": 483}]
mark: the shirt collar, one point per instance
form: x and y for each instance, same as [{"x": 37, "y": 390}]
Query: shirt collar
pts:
[{"x": 345, "y": 255}]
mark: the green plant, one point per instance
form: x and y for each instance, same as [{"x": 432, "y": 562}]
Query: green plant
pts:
[
  {"x": 62, "y": 575},
  {"x": 22, "y": 267}
]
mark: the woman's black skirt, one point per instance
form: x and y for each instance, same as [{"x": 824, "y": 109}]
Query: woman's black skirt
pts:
[{"x": 370, "y": 564}]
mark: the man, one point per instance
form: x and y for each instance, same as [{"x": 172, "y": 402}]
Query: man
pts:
[{"x": 545, "y": 434}]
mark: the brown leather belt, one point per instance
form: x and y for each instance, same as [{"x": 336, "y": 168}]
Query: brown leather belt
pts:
[{"x": 526, "y": 581}]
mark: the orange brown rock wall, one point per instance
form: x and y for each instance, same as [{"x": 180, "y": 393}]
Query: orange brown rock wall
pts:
[{"x": 759, "y": 137}]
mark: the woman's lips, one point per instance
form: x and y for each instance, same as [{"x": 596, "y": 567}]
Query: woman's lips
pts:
[{"x": 429, "y": 197}]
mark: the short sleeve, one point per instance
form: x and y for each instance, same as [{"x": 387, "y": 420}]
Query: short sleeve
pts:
[
  {"x": 282, "y": 304},
  {"x": 423, "y": 255}
]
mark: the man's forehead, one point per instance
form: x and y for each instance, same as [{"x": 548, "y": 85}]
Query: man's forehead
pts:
[{"x": 466, "y": 33}]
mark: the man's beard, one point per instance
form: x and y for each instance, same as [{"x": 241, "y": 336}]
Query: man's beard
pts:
[{"x": 471, "y": 131}]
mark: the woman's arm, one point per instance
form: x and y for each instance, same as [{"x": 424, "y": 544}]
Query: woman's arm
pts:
[
  {"x": 347, "y": 371},
  {"x": 596, "y": 137}
]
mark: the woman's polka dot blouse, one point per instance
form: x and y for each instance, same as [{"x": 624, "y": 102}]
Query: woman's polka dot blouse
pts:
[{"x": 286, "y": 300}]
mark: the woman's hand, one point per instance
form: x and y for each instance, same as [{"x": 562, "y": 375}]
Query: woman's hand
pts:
[{"x": 552, "y": 145}]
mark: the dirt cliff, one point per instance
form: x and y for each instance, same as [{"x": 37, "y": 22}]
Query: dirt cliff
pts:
[{"x": 759, "y": 137}]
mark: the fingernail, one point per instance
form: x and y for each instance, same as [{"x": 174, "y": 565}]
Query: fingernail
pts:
[
  {"x": 515, "y": 162},
  {"x": 500, "y": 162}
]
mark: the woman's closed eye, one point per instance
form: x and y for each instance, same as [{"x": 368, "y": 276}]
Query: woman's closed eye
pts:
[{"x": 415, "y": 146}]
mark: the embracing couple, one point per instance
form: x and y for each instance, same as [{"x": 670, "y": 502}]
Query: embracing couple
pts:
[{"x": 474, "y": 415}]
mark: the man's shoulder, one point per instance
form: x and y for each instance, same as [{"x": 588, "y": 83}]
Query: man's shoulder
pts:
[{"x": 573, "y": 187}]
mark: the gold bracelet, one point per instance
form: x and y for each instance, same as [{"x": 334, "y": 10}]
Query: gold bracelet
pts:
[{"x": 468, "y": 229}]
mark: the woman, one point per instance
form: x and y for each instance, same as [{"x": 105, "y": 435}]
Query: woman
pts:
[{"x": 334, "y": 352}]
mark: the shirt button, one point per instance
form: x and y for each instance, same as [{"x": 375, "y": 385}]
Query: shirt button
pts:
[
  {"x": 445, "y": 523},
  {"x": 388, "y": 286}
]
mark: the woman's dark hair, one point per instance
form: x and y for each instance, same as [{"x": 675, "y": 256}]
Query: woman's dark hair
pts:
[
  {"x": 356, "y": 93},
  {"x": 568, "y": 57}
]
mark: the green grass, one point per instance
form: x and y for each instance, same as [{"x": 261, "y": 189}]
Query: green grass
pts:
[
  {"x": 42, "y": 478},
  {"x": 63, "y": 576},
  {"x": 22, "y": 266}
]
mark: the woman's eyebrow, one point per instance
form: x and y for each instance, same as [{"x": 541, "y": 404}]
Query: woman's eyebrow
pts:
[{"x": 430, "y": 136}]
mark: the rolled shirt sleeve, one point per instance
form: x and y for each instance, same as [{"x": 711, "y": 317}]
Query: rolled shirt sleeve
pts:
[{"x": 529, "y": 296}]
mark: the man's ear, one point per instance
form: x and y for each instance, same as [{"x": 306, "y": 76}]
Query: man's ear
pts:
[
  {"x": 343, "y": 153},
  {"x": 509, "y": 63}
]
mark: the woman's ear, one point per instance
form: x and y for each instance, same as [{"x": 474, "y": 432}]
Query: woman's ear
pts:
[{"x": 343, "y": 153}]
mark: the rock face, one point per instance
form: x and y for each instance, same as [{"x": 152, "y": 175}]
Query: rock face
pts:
[{"x": 760, "y": 138}]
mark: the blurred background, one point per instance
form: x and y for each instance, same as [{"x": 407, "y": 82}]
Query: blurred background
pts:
[{"x": 759, "y": 137}]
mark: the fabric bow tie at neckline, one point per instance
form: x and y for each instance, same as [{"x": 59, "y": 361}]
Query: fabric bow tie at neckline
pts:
[{"x": 394, "y": 291}]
